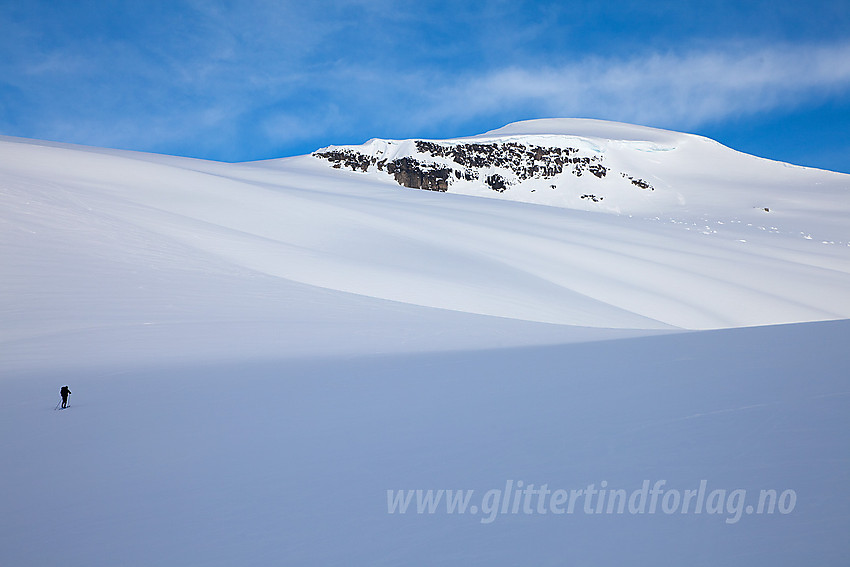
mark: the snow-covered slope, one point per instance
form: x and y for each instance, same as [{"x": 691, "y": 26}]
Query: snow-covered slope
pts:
[
  {"x": 259, "y": 351},
  {"x": 288, "y": 460},
  {"x": 698, "y": 251}
]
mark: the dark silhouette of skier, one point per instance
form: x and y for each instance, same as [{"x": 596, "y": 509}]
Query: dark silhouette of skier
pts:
[{"x": 64, "y": 392}]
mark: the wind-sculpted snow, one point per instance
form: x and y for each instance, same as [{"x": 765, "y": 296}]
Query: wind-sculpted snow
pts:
[
  {"x": 261, "y": 353},
  {"x": 723, "y": 240}
]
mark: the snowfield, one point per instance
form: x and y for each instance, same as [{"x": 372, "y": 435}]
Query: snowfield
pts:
[{"x": 258, "y": 352}]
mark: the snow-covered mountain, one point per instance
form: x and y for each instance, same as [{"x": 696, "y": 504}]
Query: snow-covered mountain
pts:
[
  {"x": 720, "y": 239},
  {"x": 599, "y": 166},
  {"x": 711, "y": 196},
  {"x": 258, "y": 352}
]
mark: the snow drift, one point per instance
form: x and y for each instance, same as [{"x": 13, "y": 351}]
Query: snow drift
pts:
[
  {"x": 723, "y": 240},
  {"x": 259, "y": 351}
]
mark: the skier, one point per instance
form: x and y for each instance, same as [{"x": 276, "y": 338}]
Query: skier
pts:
[{"x": 64, "y": 392}]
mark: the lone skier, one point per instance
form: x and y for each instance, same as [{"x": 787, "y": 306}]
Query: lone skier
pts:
[{"x": 64, "y": 392}]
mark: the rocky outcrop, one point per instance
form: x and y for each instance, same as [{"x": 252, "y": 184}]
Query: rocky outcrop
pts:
[
  {"x": 524, "y": 161},
  {"x": 499, "y": 165},
  {"x": 593, "y": 198},
  {"x": 411, "y": 173},
  {"x": 496, "y": 182},
  {"x": 638, "y": 182},
  {"x": 354, "y": 161}
]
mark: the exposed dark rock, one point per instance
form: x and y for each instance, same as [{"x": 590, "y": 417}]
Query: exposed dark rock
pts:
[
  {"x": 497, "y": 182},
  {"x": 467, "y": 161},
  {"x": 352, "y": 160},
  {"x": 593, "y": 198},
  {"x": 638, "y": 182},
  {"x": 411, "y": 173},
  {"x": 526, "y": 162},
  {"x": 598, "y": 170}
]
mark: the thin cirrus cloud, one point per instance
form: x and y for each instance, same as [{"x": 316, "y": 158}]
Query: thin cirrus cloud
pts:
[
  {"x": 662, "y": 89},
  {"x": 265, "y": 79},
  {"x": 686, "y": 90}
]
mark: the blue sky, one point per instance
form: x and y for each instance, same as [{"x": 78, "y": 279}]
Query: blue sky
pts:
[{"x": 234, "y": 81}]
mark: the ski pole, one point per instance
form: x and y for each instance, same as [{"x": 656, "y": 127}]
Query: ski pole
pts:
[{"x": 57, "y": 405}]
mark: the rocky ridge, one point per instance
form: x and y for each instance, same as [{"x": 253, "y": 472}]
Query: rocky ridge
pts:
[{"x": 496, "y": 164}]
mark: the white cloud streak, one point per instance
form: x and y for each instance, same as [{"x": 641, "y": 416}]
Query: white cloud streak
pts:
[
  {"x": 237, "y": 80},
  {"x": 675, "y": 90}
]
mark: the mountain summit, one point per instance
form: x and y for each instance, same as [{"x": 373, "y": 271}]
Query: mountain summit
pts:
[
  {"x": 598, "y": 166},
  {"x": 641, "y": 229}
]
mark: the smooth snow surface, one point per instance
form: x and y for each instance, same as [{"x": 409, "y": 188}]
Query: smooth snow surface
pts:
[
  {"x": 585, "y": 128},
  {"x": 258, "y": 352},
  {"x": 722, "y": 239}
]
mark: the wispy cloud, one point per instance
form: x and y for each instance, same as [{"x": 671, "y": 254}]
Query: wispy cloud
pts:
[
  {"x": 681, "y": 91},
  {"x": 241, "y": 80},
  {"x": 665, "y": 89}
]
